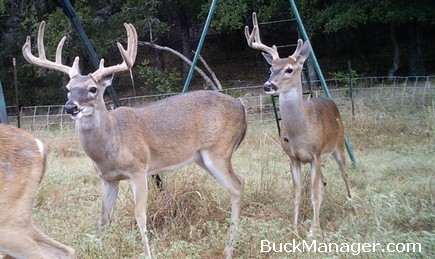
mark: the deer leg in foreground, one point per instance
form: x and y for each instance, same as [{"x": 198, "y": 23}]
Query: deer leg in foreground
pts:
[
  {"x": 297, "y": 183},
  {"x": 110, "y": 193},
  {"x": 34, "y": 244},
  {"x": 221, "y": 169},
  {"x": 139, "y": 186},
  {"x": 317, "y": 194}
]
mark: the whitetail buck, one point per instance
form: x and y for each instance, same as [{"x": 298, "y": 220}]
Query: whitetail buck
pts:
[
  {"x": 204, "y": 127},
  {"x": 22, "y": 167},
  {"x": 310, "y": 129}
]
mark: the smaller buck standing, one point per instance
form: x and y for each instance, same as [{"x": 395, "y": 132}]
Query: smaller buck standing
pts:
[
  {"x": 204, "y": 127},
  {"x": 22, "y": 167},
  {"x": 310, "y": 129}
]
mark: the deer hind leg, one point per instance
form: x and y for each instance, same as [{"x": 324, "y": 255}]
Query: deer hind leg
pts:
[
  {"x": 340, "y": 158},
  {"x": 139, "y": 186},
  {"x": 110, "y": 193},
  {"x": 297, "y": 190},
  {"x": 221, "y": 169},
  {"x": 317, "y": 195}
]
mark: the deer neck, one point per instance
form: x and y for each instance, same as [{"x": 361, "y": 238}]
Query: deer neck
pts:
[
  {"x": 293, "y": 113},
  {"x": 96, "y": 133}
]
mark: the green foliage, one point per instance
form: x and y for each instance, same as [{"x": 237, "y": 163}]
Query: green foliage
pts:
[
  {"x": 273, "y": 10},
  {"x": 159, "y": 82},
  {"x": 343, "y": 76},
  {"x": 228, "y": 14},
  {"x": 2, "y": 6},
  {"x": 336, "y": 15}
]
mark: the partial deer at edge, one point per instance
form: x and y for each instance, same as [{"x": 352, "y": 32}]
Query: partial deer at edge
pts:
[
  {"x": 204, "y": 127},
  {"x": 22, "y": 167},
  {"x": 311, "y": 128}
]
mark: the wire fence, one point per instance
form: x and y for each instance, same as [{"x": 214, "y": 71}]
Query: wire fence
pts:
[{"x": 378, "y": 96}]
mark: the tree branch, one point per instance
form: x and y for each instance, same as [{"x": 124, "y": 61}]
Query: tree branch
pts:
[
  {"x": 213, "y": 75},
  {"x": 207, "y": 79}
]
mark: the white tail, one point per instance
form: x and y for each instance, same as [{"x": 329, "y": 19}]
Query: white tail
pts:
[
  {"x": 22, "y": 166},
  {"x": 310, "y": 129},
  {"x": 204, "y": 127}
]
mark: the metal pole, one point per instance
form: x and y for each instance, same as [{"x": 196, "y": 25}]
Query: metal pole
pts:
[
  {"x": 70, "y": 12},
  {"x": 312, "y": 55},
  {"x": 317, "y": 68},
  {"x": 349, "y": 65},
  {"x": 17, "y": 99},
  {"x": 3, "y": 114},
  {"x": 201, "y": 42}
]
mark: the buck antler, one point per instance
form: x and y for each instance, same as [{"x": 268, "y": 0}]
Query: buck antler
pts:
[
  {"x": 42, "y": 60},
  {"x": 254, "y": 40},
  {"x": 128, "y": 56}
]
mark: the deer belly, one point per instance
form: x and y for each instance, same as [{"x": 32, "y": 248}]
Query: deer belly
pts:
[
  {"x": 171, "y": 164},
  {"x": 300, "y": 154}
]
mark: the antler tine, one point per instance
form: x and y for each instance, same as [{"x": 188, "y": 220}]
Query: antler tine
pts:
[
  {"x": 42, "y": 60},
  {"x": 128, "y": 56},
  {"x": 40, "y": 41},
  {"x": 298, "y": 48},
  {"x": 254, "y": 40}
]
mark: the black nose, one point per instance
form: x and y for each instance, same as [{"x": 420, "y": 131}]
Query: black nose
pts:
[
  {"x": 268, "y": 86},
  {"x": 70, "y": 108}
]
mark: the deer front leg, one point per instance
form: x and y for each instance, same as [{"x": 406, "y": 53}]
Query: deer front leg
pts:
[
  {"x": 110, "y": 193},
  {"x": 317, "y": 194},
  {"x": 139, "y": 186},
  {"x": 296, "y": 175}
]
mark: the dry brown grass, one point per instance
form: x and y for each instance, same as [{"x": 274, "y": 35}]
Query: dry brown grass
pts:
[{"x": 392, "y": 189}]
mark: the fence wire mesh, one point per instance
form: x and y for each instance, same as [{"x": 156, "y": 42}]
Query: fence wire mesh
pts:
[{"x": 376, "y": 96}]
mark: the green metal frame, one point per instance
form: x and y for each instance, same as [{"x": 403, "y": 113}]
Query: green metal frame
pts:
[
  {"x": 201, "y": 42},
  {"x": 319, "y": 71},
  {"x": 71, "y": 13},
  {"x": 3, "y": 113}
]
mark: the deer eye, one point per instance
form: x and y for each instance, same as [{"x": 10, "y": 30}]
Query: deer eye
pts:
[
  {"x": 93, "y": 90},
  {"x": 289, "y": 70}
]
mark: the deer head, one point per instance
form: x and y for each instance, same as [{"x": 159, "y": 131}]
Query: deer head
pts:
[
  {"x": 284, "y": 72},
  {"x": 94, "y": 84}
]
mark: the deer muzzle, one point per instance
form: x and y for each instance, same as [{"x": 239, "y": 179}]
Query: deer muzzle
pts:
[
  {"x": 71, "y": 109},
  {"x": 269, "y": 87}
]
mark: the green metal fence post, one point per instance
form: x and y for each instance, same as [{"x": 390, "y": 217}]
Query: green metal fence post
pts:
[{"x": 201, "y": 42}]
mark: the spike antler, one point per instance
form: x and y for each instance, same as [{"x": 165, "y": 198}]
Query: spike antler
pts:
[
  {"x": 42, "y": 60},
  {"x": 254, "y": 41}
]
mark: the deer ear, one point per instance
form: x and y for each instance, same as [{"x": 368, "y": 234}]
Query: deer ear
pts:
[
  {"x": 106, "y": 80},
  {"x": 304, "y": 51},
  {"x": 267, "y": 57}
]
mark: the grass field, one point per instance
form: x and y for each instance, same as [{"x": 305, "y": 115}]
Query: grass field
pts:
[{"x": 392, "y": 187}]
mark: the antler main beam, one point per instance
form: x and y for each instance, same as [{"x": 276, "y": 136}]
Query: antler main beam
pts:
[
  {"x": 128, "y": 56},
  {"x": 254, "y": 40},
  {"x": 42, "y": 60}
]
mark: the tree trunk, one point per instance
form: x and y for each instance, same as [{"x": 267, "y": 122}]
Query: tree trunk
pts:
[
  {"x": 415, "y": 49},
  {"x": 396, "y": 58}
]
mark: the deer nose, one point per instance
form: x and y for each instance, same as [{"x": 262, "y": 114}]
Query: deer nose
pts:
[
  {"x": 70, "y": 108},
  {"x": 268, "y": 86}
]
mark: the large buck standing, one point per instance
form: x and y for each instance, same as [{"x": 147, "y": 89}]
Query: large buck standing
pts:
[
  {"x": 204, "y": 127},
  {"x": 310, "y": 129},
  {"x": 22, "y": 167}
]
